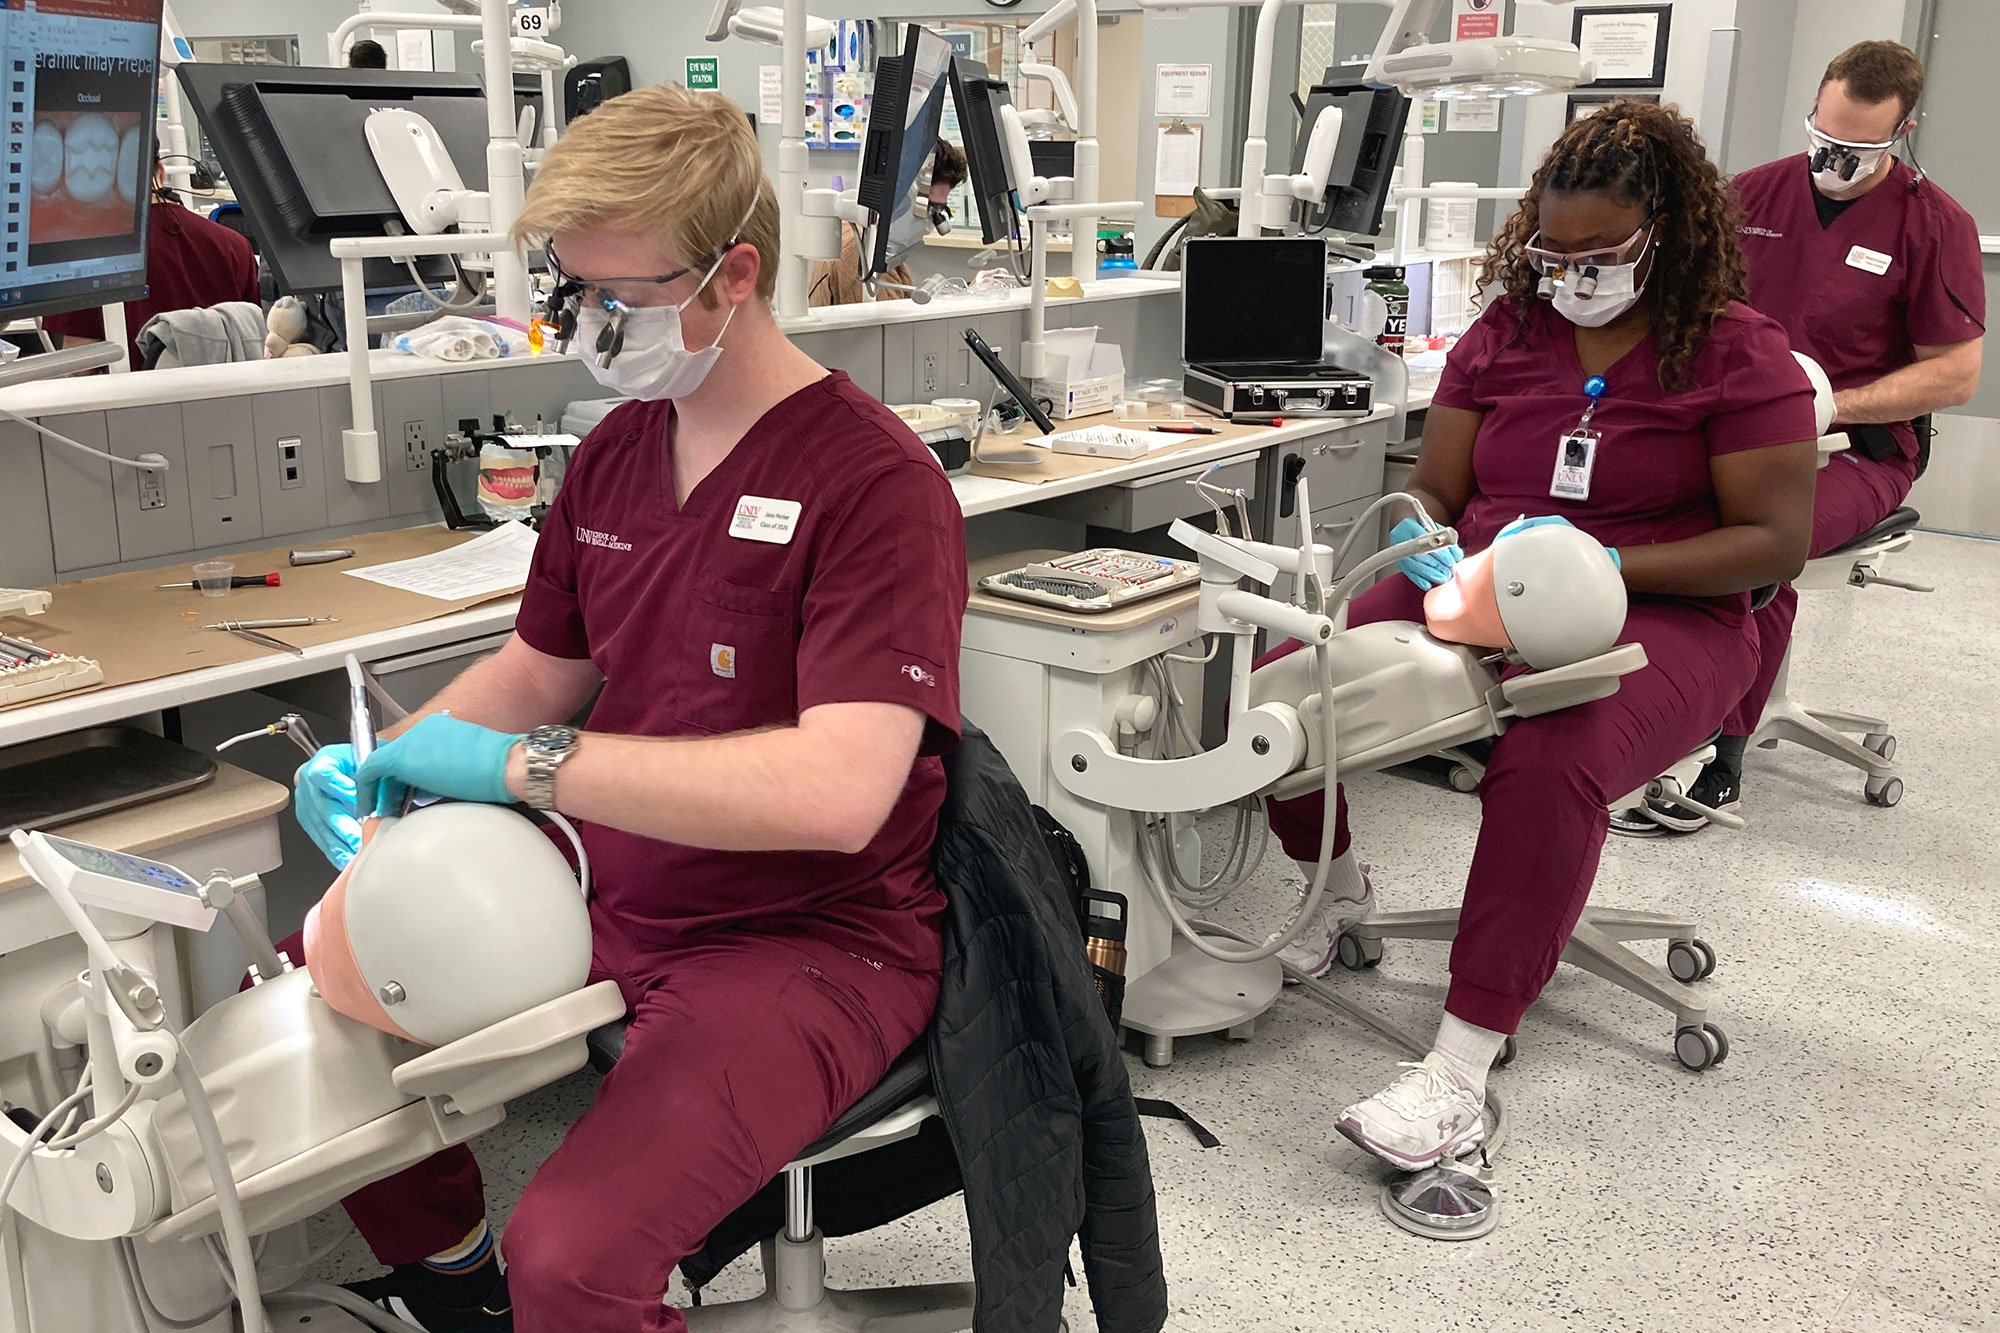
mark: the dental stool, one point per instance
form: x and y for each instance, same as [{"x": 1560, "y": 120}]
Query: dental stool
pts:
[
  {"x": 1855, "y": 565},
  {"x": 796, "y": 1298}
]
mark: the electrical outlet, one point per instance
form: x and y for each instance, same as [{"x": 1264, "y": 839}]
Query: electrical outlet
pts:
[
  {"x": 416, "y": 447},
  {"x": 930, "y": 385},
  {"x": 152, "y": 490},
  {"x": 290, "y": 478}
]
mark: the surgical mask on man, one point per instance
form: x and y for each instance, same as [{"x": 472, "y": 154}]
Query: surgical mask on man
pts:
[
  {"x": 1842, "y": 169},
  {"x": 653, "y": 361}
]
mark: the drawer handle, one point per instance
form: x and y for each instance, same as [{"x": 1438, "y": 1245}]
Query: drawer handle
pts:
[{"x": 1321, "y": 450}]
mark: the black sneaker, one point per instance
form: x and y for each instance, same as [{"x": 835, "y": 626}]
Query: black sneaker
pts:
[
  {"x": 1716, "y": 788},
  {"x": 437, "y": 1303}
]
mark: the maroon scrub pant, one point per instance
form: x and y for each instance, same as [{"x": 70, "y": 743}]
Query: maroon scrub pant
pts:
[
  {"x": 1851, "y": 495},
  {"x": 1548, "y": 790},
  {"x": 741, "y": 1051}
]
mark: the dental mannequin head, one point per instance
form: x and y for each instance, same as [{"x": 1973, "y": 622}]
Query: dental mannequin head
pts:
[
  {"x": 450, "y": 919},
  {"x": 1548, "y": 595}
]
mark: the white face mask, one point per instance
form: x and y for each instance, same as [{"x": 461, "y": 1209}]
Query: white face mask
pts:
[
  {"x": 1616, "y": 292},
  {"x": 653, "y": 362},
  {"x": 1840, "y": 169}
]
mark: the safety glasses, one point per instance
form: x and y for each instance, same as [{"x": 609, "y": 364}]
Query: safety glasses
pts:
[
  {"x": 1554, "y": 263},
  {"x": 1844, "y": 156},
  {"x": 633, "y": 293}
]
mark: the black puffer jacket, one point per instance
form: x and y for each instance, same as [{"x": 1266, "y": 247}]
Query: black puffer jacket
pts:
[
  {"x": 1039, "y": 1127},
  {"x": 1029, "y": 1076}
]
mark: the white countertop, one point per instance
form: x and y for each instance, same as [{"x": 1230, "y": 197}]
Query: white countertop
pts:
[
  {"x": 976, "y": 495},
  {"x": 986, "y": 495},
  {"x": 146, "y": 388}
]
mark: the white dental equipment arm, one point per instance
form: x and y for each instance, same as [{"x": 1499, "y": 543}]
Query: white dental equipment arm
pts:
[{"x": 310, "y": 1103}]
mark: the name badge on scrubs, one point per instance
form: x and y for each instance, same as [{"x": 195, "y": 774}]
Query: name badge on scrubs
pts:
[
  {"x": 758, "y": 519},
  {"x": 1576, "y": 456},
  {"x": 1872, "y": 260}
]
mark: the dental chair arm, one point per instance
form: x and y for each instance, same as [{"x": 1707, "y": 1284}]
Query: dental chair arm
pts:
[
  {"x": 1536, "y": 692},
  {"x": 514, "y": 1056}
]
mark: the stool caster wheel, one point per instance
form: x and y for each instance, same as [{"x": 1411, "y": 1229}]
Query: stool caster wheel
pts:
[
  {"x": 1358, "y": 954},
  {"x": 1885, "y": 792},
  {"x": 1881, "y": 743},
  {"x": 1463, "y": 779},
  {"x": 1508, "y": 1050},
  {"x": 1700, "y": 1047},
  {"x": 1690, "y": 960}
]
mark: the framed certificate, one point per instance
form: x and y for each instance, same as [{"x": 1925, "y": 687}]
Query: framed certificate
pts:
[
  {"x": 1589, "y": 104},
  {"x": 1625, "y": 44}
]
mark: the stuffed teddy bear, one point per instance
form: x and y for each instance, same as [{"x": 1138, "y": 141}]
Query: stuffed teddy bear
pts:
[{"x": 286, "y": 321}]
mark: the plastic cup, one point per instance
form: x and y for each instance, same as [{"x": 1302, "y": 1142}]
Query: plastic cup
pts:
[{"x": 212, "y": 577}]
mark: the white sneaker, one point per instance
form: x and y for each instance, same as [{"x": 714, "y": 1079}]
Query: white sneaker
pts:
[
  {"x": 1316, "y": 946},
  {"x": 1422, "y": 1117}
]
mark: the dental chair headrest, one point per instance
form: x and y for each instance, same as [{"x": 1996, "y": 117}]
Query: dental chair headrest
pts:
[
  {"x": 450, "y": 919},
  {"x": 1822, "y": 390},
  {"x": 1548, "y": 594}
]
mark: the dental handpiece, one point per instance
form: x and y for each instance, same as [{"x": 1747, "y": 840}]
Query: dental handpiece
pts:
[{"x": 360, "y": 725}]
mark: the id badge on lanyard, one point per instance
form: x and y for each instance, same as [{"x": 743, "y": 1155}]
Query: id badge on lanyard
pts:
[{"x": 1576, "y": 450}]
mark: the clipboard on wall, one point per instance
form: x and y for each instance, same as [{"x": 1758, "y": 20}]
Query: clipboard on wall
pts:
[{"x": 1176, "y": 168}]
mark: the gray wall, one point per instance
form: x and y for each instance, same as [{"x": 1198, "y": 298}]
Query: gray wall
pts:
[{"x": 1761, "y": 125}]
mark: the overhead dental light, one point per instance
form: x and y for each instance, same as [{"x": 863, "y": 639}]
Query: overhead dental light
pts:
[
  {"x": 1475, "y": 67},
  {"x": 762, "y": 23}
]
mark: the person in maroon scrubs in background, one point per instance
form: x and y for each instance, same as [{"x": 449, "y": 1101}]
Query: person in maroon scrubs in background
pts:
[
  {"x": 765, "y": 571},
  {"x": 190, "y": 263},
  {"x": 1875, "y": 273}
]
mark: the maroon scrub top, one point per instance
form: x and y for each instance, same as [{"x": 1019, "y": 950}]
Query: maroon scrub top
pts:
[
  {"x": 1650, "y": 481},
  {"x": 191, "y": 263},
  {"x": 1823, "y": 283},
  {"x": 822, "y": 561}
]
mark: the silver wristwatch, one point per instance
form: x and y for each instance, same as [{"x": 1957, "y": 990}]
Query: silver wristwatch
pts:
[{"x": 545, "y": 749}]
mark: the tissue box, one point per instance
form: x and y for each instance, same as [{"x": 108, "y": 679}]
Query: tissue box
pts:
[{"x": 1085, "y": 377}]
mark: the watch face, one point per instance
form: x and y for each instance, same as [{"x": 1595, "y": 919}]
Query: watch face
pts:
[{"x": 548, "y": 740}]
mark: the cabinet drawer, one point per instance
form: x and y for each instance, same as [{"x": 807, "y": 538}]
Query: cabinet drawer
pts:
[{"x": 1135, "y": 506}]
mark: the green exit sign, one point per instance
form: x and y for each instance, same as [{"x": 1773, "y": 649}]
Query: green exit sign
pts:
[{"x": 702, "y": 73}]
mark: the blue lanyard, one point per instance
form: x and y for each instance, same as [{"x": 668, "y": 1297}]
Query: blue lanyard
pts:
[{"x": 1595, "y": 387}]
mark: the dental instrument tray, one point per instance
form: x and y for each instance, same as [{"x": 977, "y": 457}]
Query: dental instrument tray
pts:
[
  {"x": 61, "y": 779},
  {"x": 1094, "y": 581}
]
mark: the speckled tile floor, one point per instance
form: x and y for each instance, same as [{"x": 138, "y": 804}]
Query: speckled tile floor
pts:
[{"x": 1838, "y": 1174}]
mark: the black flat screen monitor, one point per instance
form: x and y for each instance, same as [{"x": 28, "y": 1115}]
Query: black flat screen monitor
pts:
[
  {"x": 1251, "y": 299},
  {"x": 978, "y": 98},
  {"x": 293, "y": 143},
  {"x": 1371, "y": 134},
  {"x": 80, "y": 85},
  {"x": 903, "y": 123}
]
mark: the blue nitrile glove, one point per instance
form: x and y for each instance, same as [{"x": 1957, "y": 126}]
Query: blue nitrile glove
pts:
[
  {"x": 323, "y": 799},
  {"x": 441, "y": 755},
  {"x": 1520, "y": 524},
  {"x": 1432, "y": 567}
]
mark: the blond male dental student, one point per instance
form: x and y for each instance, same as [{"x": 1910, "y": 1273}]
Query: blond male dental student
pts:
[{"x": 766, "y": 571}]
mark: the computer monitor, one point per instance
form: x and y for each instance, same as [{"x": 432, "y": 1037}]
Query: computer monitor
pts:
[
  {"x": 903, "y": 123},
  {"x": 978, "y": 98},
  {"x": 80, "y": 81},
  {"x": 293, "y": 145},
  {"x": 1371, "y": 134}
]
